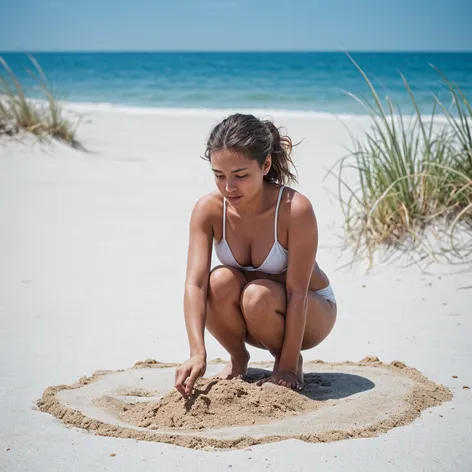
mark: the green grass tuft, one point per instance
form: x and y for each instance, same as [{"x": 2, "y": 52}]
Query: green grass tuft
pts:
[
  {"x": 412, "y": 175},
  {"x": 18, "y": 112}
]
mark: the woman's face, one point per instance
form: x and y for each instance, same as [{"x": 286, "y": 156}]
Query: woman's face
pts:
[{"x": 238, "y": 178}]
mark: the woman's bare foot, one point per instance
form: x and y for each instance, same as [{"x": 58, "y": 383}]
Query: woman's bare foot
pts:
[
  {"x": 299, "y": 368},
  {"x": 235, "y": 368}
]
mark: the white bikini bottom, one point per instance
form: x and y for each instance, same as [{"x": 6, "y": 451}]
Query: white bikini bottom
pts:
[{"x": 327, "y": 293}]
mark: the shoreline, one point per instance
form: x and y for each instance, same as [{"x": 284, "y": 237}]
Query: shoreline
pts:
[{"x": 92, "y": 107}]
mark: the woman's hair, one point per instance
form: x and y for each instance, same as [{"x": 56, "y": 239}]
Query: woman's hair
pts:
[{"x": 256, "y": 139}]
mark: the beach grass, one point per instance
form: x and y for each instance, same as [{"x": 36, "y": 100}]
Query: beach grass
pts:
[
  {"x": 414, "y": 178},
  {"x": 20, "y": 112}
]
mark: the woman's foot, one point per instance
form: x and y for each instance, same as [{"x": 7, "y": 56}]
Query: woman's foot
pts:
[
  {"x": 299, "y": 368},
  {"x": 235, "y": 368}
]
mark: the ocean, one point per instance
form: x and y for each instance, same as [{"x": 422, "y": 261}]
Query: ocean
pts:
[{"x": 304, "y": 81}]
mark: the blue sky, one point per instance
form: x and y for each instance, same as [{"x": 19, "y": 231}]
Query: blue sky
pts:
[{"x": 189, "y": 25}]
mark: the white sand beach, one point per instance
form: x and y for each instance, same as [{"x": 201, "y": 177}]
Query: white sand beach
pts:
[{"x": 92, "y": 265}]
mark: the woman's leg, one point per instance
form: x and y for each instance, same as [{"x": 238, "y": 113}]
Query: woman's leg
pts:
[
  {"x": 263, "y": 305},
  {"x": 239, "y": 312},
  {"x": 224, "y": 318}
]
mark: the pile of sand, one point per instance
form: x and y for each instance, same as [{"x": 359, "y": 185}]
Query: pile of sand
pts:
[
  {"x": 338, "y": 401},
  {"x": 214, "y": 403}
]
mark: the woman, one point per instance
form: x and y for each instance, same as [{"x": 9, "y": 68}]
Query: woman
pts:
[{"x": 269, "y": 291}]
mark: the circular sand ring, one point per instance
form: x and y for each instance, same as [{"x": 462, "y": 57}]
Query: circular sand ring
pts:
[{"x": 353, "y": 400}]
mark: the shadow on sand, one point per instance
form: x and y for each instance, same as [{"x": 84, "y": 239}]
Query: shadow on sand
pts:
[{"x": 322, "y": 386}]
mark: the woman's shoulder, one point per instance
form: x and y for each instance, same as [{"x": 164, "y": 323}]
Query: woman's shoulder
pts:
[
  {"x": 298, "y": 213},
  {"x": 209, "y": 206},
  {"x": 295, "y": 203}
]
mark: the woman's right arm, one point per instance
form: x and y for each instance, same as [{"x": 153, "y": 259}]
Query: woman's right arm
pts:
[{"x": 195, "y": 295}]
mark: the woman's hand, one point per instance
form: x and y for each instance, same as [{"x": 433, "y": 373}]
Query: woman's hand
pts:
[
  {"x": 188, "y": 372},
  {"x": 284, "y": 378}
]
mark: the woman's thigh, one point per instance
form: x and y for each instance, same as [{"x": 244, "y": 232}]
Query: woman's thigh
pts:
[{"x": 320, "y": 316}]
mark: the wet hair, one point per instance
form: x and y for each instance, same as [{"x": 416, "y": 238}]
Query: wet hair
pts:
[{"x": 255, "y": 139}]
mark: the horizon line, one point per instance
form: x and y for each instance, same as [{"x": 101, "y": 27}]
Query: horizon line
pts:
[{"x": 234, "y": 51}]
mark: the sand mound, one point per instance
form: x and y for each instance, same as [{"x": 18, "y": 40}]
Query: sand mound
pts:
[
  {"x": 214, "y": 403},
  {"x": 338, "y": 401}
]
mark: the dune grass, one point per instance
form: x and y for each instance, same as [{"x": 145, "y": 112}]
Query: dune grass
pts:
[
  {"x": 413, "y": 175},
  {"x": 19, "y": 112}
]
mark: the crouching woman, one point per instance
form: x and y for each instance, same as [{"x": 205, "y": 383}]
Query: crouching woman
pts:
[{"x": 269, "y": 292}]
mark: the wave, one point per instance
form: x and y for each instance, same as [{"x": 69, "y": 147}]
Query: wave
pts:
[
  {"x": 219, "y": 112},
  {"x": 266, "y": 113}
]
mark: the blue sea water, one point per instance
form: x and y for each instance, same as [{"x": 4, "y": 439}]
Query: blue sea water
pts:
[{"x": 315, "y": 81}]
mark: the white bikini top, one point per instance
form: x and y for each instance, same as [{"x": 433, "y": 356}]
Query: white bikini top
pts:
[{"x": 274, "y": 263}]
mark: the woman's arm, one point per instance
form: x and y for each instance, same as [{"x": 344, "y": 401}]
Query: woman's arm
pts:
[
  {"x": 302, "y": 247},
  {"x": 195, "y": 295}
]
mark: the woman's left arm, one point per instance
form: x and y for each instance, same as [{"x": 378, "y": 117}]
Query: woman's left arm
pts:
[{"x": 302, "y": 247}]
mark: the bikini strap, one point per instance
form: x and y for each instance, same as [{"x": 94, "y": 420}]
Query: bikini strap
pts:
[
  {"x": 277, "y": 211},
  {"x": 224, "y": 219}
]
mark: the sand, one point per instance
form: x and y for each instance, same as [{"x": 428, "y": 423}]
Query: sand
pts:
[
  {"x": 92, "y": 267},
  {"x": 338, "y": 401},
  {"x": 214, "y": 403}
]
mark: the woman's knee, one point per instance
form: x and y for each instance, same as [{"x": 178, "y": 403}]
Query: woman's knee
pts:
[
  {"x": 256, "y": 300},
  {"x": 225, "y": 282}
]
